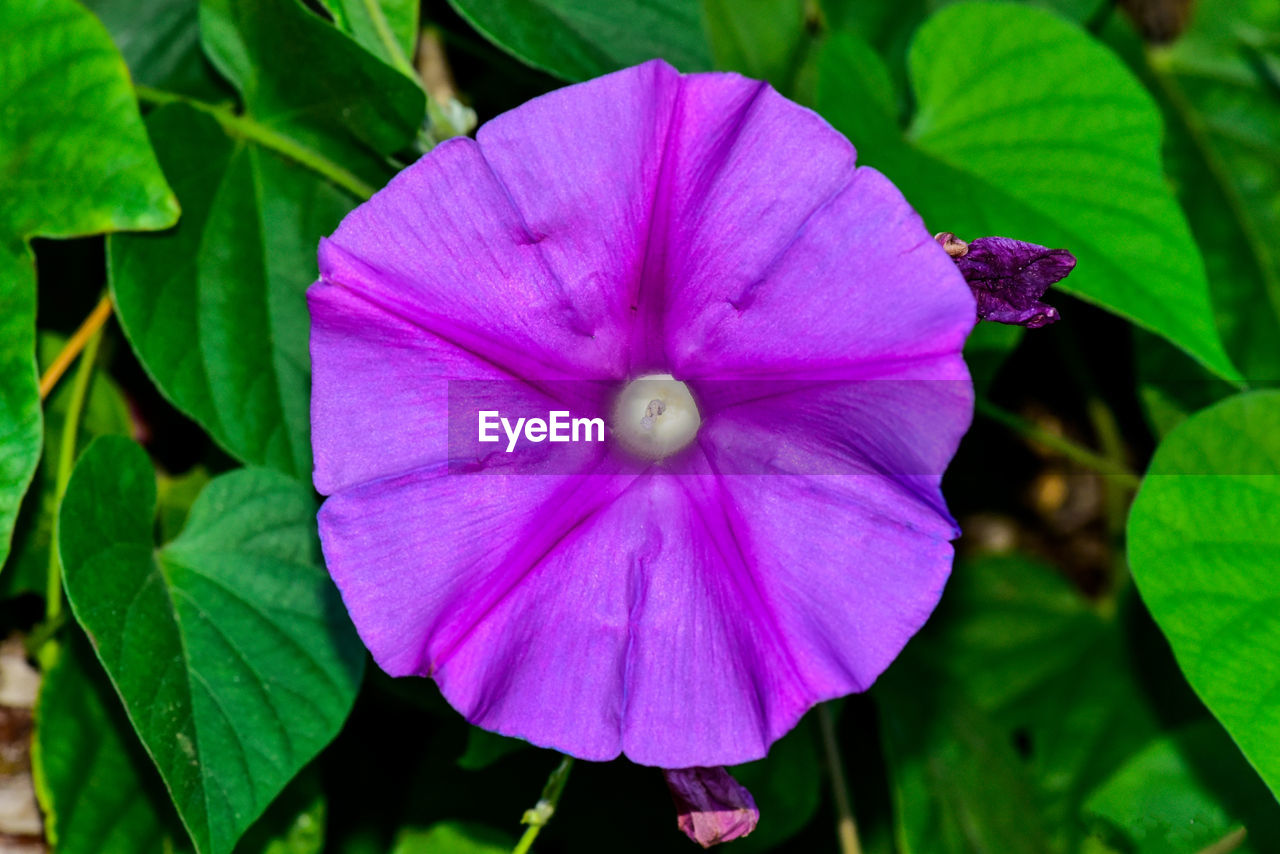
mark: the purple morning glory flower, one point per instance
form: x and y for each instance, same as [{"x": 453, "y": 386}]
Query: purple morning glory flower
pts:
[
  {"x": 1009, "y": 276},
  {"x": 773, "y": 339},
  {"x": 711, "y": 806}
]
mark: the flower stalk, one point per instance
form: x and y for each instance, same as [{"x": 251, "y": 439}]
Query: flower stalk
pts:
[
  {"x": 67, "y": 459},
  {"x": 541, "y": 813},
  {"x": 249, "y": 129},
  {"x": 1069, "y": 449},
  {"x": 846, "y": 825},
  {"x": 92, "y": 324}
]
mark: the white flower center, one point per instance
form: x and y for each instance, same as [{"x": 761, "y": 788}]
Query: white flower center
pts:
[{"x": 655, "y": 416}]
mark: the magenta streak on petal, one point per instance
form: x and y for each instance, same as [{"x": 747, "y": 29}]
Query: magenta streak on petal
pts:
[
  {"x": 596, "y": 202},
  {"x": 572, "y": 507},
  {"x": 514, "y": 362},
  {"x": 649, "y": 298},
  {"x": 847, "y": 327},
  {"x": 497, "y": 295},
  {"x": 784, "y": 689},
  {"x": 661, "y": 280}
]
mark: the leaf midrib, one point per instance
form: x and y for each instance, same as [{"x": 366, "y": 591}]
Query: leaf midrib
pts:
[
  {"x": 158, "y": 571},
  {"x": 280, "y": 427},
  {"x": 383, "y": 28}
]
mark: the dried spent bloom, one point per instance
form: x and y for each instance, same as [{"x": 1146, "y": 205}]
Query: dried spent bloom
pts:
[
  {"x": 1009, "y": 276},
  {"x": 774, "y": 343},
  {"x": 711, "y": 806}
]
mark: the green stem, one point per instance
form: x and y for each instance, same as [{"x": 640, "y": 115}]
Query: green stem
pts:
[
  {"x": 541, "y": 813},
  {"x": 1106, "y": 430},
  {"x": 388, "y": 39},
  {"x": 66, "y": 460},
  {"x": 846, "y": 827},
  {"x": 251, "y": 130},
  {"x": 1066, "y": 447}
]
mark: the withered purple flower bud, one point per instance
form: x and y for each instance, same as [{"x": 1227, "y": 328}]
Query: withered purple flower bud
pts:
[
  {"x": 711, "y": 806},
  {"x": 1008, "y": 276}
]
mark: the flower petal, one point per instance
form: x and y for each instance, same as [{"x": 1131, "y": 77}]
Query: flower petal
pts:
[
  {"x": 771, "y": 593},
  {"x": 690, "y": 613},
  {"x": 833, "y": 490},
  {"x": 709, "y": 676},
  {"x": 781, "y": 257},
  {"x": 743, "y": 169},
  {"x": 505, "y": 588},
  {"x": 902, "y": 430},
  {"x": 389, "y": 397},
  {"x": 849, "y": 569},
  {"x": 443, "y": 247},
  {"x": 588, "y": 185},
  {"x": 718, "y": 183}
]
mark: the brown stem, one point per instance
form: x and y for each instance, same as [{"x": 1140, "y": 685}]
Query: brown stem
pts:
[{"x": 75, "y": 344}]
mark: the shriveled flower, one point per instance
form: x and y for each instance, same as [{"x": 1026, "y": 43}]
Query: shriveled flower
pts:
[
  {"x": 711, "y": 806},
  {"x": 774, "y": 341},
  {"x": 1009, "y": 276}
]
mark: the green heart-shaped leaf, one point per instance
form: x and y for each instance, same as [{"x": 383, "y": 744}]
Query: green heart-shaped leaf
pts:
[
  {"x": 97, "y": 788},
  {"x": 1221, "y": 98},
  {"x": 215, "y": 308},
  {"x": 351, "y": 107},
  {"x": 1028, "y": 128},
  {"x": 1188, "y": 790},
  {"x": 73, "y": 160},
  {"x": 1204, "y": 544},
  {"x": 160, "y": 41},
  {"x": 229, "y": 645}
]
